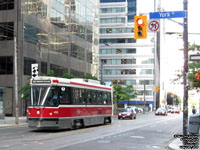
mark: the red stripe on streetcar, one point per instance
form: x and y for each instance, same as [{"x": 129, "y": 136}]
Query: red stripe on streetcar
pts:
[{"x": 81, "y": 84}]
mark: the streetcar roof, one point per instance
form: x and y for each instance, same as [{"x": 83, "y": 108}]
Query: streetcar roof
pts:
[{"x": 76, "y": 82}]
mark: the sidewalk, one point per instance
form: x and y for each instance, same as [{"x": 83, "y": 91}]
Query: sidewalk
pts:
[
  {"x": 10, "y": 121},
  {"x": 175, "y": 144}
]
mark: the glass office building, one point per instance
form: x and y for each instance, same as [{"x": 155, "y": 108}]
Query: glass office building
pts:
[
  {"x": 59, "y": 35},
  {"x": 123, "y": 59}
]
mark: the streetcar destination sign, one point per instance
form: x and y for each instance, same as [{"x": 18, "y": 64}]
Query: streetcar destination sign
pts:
[{"x": 169, "y": 14}]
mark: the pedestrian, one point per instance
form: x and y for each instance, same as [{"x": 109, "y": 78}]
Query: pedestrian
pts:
[{"x": 193, "y": 110}]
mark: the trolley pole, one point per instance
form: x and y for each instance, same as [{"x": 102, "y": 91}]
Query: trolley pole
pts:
[{"x": 185, "y": 70}]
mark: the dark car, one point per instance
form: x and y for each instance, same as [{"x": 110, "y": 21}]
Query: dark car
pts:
[
  {"x": 127, "y": 113},
  {"x": 161, "y": 111}
]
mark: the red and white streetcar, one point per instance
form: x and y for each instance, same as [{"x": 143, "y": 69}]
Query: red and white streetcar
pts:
[{"x": 68, "y": 103}]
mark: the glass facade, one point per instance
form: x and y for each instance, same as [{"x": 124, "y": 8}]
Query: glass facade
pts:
[
  {"x": 67, "y": 27},
  {"x": 125, "y": 61},
  {"x": 6, "y": 4}
]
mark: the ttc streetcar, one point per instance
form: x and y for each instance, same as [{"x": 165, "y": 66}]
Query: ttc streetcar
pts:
[{"x": 60, "y": 103}]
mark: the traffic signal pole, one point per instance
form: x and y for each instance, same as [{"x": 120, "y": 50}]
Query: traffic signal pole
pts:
[{"x": 185, "y": 70}]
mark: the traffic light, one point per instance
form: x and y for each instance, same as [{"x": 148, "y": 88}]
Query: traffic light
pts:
[
  {"x": 140, "y": 29},
  {"x": 197, "y": 77}
]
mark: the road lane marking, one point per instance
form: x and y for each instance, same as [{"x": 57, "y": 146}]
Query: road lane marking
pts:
[{"x": 138, "y": 137}]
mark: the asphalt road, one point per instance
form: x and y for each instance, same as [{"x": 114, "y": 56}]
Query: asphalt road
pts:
[{"x": 147, "y": 132}]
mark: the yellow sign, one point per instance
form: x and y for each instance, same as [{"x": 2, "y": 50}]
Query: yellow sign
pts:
[{"x": 156, "y": 89}]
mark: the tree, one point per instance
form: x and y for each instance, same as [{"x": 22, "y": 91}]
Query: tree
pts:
[
  {"x": 123, "y": 93},
  {"x": 129, "y": 93},
  {"x": 117, "y": 94},
  {"x": 194, "y": 67}
]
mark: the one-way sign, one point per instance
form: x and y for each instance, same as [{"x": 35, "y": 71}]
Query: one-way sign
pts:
[{"x": 169, "y": 14}]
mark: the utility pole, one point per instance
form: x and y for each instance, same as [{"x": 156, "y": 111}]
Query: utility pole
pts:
[
  {"x": 157, "y": 61},
  {"x": 144, "y": 94},
  {"x": 16, "y": 82},
  {"x": 185, "y": 70},
  {"x": 15, "y": 57}
]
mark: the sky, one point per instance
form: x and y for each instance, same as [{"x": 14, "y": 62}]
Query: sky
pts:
[{"x": 193, "y": 17}]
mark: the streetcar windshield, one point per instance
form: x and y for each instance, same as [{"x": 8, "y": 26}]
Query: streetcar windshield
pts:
[
  {"x": 37, "y": 95},
  {"x": 53, "y": 97}
]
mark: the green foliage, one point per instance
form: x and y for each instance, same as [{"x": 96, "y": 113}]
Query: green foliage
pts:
[
  {"x": 90, "y": 77},
  {"x": 68, "y": 76},
  {"x": 123, "y": 93},
  {"x": 25, "y": 91},
  {"x": 194, "y": 67},
  {"x": 51, "y": 73},
  {"x": 193, "y": 46}
]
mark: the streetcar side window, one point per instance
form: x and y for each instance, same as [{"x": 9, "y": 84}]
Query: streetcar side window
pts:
[
  {"x": 99, "y": 98},
  {"x": 65, "y": 95},
  {"x": 105, "y": 98},
  {"x": 93, "y": 97},
  {"x": 109, "y": 98},
  {"x": 75, "y": 96},
  {"x": 81, "y": 96}
]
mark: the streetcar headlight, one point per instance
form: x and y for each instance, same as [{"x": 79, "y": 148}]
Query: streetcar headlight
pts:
[{"x": 38, "y": 112}]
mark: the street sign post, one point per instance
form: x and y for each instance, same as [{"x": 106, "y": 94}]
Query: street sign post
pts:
[{"x": 169, "y": 14}]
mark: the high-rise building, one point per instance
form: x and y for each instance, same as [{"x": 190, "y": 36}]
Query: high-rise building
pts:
[
  {"x": 123, "y": 59},
  {"x": 59, "y": 35}
]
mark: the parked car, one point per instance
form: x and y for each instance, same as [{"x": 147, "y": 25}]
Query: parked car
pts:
[
  {"x": 169, "y": 109},
  {"x": 161, "y": 111},
  {"x": 127, "y": 113},
  {"x": 140, "y": 110},
  {"x": 175, "y": 110}
]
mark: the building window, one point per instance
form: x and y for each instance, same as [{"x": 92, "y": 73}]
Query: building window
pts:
[
  {"x": 148, "y": 61},
  {"x": 6, "y": 4},
  {"x": 112, "y": 10},
  {"x": 6, "y": 31},
  {"x": 106, "y": 41},
  {"x": 117, "y": 51},
  {"x": 27, "y": 65},
  {"x": 76, "y": 73},
  {"x": 58, "y": 70},
  {"x": 112, "y": 20},
  {"x": 111, "y": 1},
  {"x": 146, "y": 71},
  {"x": 44, "y": 67},
  {"x": 6, "y": 65}
]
